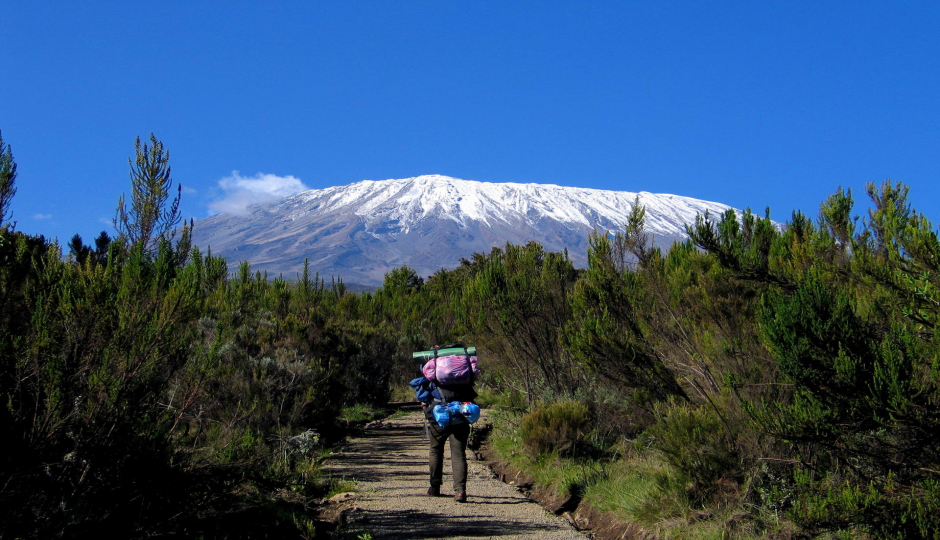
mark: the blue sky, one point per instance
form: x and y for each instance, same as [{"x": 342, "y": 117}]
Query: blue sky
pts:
[{"x": 752, "y": 104}]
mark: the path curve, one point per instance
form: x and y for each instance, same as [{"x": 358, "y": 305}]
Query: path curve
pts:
[{"x": 389, "y": 461}]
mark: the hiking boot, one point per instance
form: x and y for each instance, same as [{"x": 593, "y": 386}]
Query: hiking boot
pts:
[
  {"x": 461, "y": 496},
  {"x": 434, "y": 491}
]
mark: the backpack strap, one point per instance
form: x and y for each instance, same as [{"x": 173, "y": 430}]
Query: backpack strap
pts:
[{"x": 437, "y": 395}]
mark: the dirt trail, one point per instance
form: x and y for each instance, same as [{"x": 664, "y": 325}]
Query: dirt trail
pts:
[{"x": 390, "y": 463}]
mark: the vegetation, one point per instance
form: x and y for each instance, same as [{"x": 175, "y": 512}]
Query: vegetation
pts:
[
  {"x": 7, "y": 180},
  {"x": 782, "y": 378},
  {"x": 757, "y": 381},
  {"x": 146, "y": 392}
]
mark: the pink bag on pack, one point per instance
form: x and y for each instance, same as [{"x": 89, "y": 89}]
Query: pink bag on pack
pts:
[{"x": 449, "y": 370}]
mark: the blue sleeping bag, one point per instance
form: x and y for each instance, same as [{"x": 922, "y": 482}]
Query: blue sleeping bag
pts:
[{"x": 425, "y": 390}]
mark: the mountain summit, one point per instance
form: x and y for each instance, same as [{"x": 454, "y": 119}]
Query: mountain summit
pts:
[{"x": 361, "y": 231}]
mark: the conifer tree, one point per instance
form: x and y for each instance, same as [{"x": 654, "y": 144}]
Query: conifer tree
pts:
[
  {"x": 78, "y": 250},
  {"x": 102, "y": 242},
  {"x": 634, "y": 239},
  {"x": 7, "y": 179},
  {"x": 152, "y": 217}
]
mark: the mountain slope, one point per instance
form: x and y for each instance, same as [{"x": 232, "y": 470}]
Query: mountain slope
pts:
[{"x": 362, "y": 230}]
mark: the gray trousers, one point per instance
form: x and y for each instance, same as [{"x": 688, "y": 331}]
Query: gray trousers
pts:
[{"x": 458, "y": 435}]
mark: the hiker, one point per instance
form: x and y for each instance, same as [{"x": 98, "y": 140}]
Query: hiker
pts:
[
  {"x": 442, "y": 408},
  {"x": 457, "y": 434}
]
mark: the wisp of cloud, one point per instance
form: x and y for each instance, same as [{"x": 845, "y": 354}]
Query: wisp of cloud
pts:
[{"x": 239, "y": 192}]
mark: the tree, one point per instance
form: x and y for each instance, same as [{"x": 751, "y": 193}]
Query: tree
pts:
[
  {"x": 854, "y": 338},
  {"x": 78, "y": 250},
  {"x": 606, "y": 332},
  {"x": 519, "y": 300},
  {"x": 7, "y": 178},
  {"x": 634, "y": 239},
  {"x": 81, "y": 253},
  {"x": 149, "y": 220},
  {"x": 102, "y": 242}
]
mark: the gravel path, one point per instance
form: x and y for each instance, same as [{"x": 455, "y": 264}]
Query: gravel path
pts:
[{"x": 389, "y": 461}]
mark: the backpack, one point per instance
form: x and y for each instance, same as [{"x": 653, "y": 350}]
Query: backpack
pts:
[
  {"x": 451, "y": 370},
  {"x": 449, "y": 374}
]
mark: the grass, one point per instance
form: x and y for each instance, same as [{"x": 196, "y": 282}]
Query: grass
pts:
[
  {"x": 510, "y": 400},
  {"x": 361, "y": 413},
  {"x": 644, "y": 489},
  {"x": 335, "y": 486},
  {"x": 640, "y": 486},
  {"x": 565, "y": 476}
]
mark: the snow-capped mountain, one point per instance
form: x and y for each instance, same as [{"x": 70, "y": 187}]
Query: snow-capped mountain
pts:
[{"x": 363, "y": 230}]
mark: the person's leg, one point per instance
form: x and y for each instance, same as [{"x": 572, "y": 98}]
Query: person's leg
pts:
[
  {"x": 436, "y": 457},
  {"x": 459, "y": 434}
]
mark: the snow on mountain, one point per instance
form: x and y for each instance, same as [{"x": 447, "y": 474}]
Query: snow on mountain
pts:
[{"x": 362, "y": 230}]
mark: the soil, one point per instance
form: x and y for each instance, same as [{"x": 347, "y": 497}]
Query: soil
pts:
[{"x": 389, "y": 462}]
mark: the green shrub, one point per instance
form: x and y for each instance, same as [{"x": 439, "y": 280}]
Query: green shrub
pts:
[
  {"x": 401, "y": 392},
  {"x": 361, "y": 413},
  {"x": 696, "y": 442},
  {"x": 492, "y": 398},
  {"x": 889, "y": 510},
  {"x": 559, "y": 427}
]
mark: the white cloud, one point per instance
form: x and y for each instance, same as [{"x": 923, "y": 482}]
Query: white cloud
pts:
[
  {"x": 189, "y": 190},
  {"x": 239, "y": 192},
  {"x": 42, "y": 216}
]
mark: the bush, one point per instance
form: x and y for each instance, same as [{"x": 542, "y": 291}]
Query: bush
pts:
[
  {"x": 891, "y": 511},
  {"x": 560, "y": 427},
  {"x": 696, "y": 442},
  {"x": 491, "y": 398}
]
